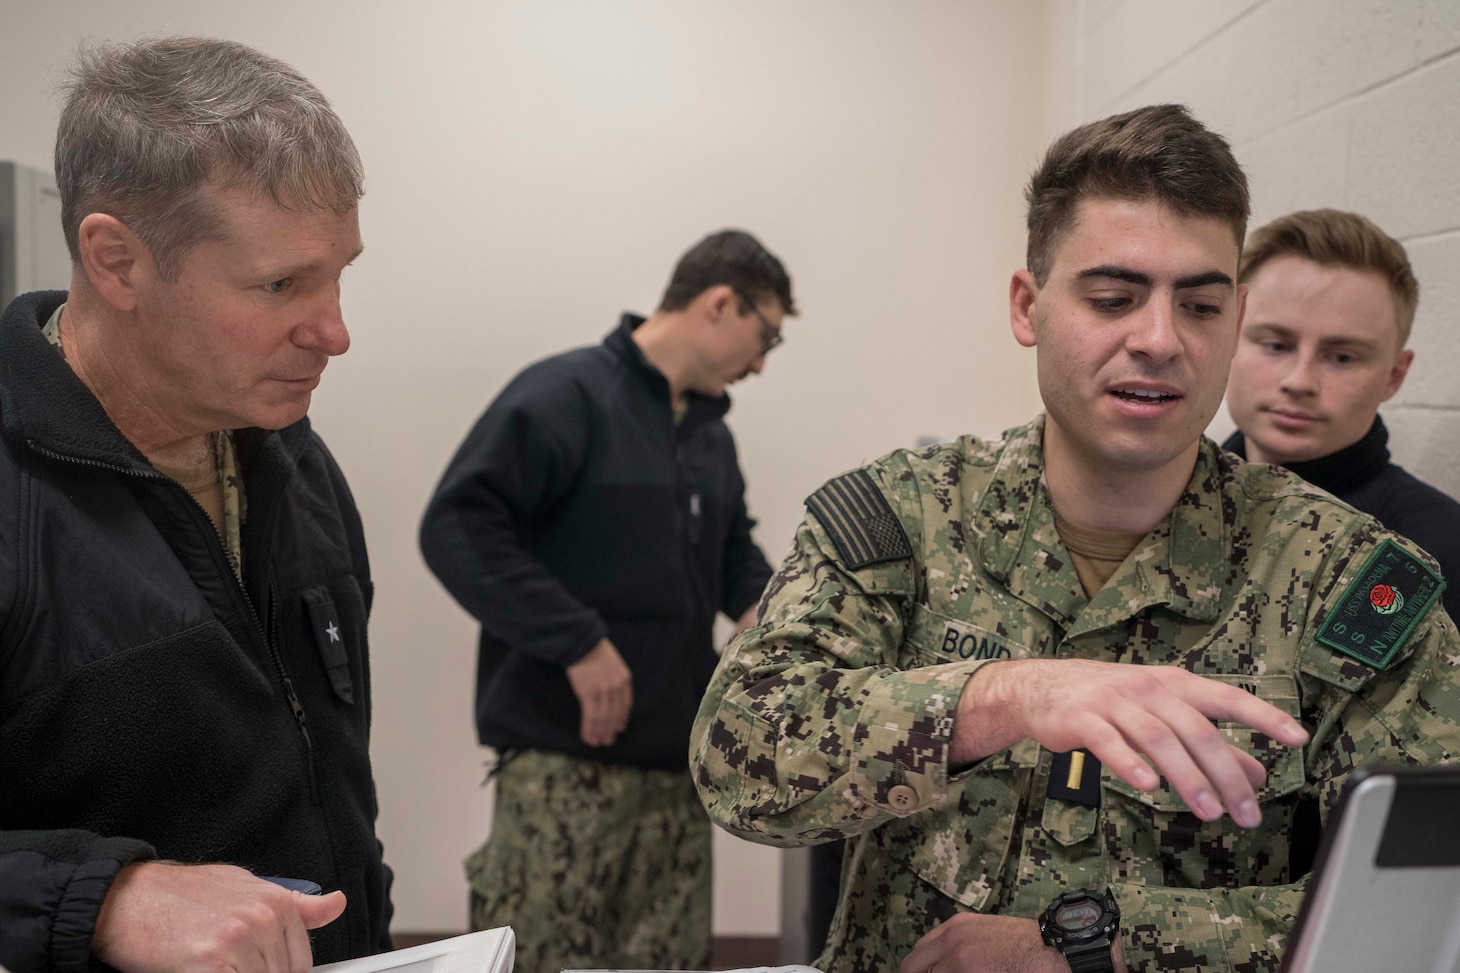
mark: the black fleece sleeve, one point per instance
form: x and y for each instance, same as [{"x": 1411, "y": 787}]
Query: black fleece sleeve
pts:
[
  {"x": 745, "y": 568},
  {"x": 520, "y": 458},
  {"x": 52, "y": 884}
]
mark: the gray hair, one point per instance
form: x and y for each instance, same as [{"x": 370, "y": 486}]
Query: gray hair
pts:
[{"x": 146, "y": 127}]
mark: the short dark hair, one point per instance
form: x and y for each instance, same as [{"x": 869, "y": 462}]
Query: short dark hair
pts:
[
  {"x": 1158, "y": 153},
  {"x": 1334, "y": 238},
  {"x": 147, "y": 126},
  {"x": 731, "y": 257}
]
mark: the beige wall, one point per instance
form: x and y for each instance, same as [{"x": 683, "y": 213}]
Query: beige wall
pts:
[
  {"x": 1353, "y": 104},
  {"x": 534, "y": 168}
]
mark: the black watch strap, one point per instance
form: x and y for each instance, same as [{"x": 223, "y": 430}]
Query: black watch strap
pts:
[{"x": 1094, "y": 958}]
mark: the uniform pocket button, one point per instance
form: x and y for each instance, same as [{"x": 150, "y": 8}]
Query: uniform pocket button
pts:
[{"x": 902, "y": 797}]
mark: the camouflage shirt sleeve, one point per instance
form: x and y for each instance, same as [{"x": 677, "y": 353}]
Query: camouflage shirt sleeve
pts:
[{"x": 809, "y": 730}]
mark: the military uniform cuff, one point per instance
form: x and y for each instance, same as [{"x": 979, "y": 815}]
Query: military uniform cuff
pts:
[{"x": 907, "y": 725}]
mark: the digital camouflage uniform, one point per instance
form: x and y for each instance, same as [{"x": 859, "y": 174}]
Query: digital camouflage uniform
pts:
[{"x": 833, "y": 716}]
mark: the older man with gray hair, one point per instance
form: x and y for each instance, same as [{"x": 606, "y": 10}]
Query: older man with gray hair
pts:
[{"x": 184, "y": 588}]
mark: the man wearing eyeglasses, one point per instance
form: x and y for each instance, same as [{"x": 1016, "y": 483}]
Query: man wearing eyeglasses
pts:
[{"x": 594, "y": 523}]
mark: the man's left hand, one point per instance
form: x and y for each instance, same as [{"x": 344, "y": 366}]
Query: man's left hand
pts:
[
  {"x": 604, "y": 685},
  {"x": 972, "y": 941}
]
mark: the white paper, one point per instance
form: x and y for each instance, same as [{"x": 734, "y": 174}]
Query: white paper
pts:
[{"x": 489, "y": 951}]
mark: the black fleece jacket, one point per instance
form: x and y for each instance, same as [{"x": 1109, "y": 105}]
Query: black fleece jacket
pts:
[
  {"x": 1362, "y": 476},
  {"x": 150, "y": 706},
  {"x": 577, "y": 508}
]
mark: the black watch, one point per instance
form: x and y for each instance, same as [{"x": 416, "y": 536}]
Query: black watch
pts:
[{"x": 1082, "y": 924}]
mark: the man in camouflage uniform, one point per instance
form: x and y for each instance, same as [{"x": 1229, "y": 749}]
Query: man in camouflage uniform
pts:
[{"x": 1011, "y": 669}]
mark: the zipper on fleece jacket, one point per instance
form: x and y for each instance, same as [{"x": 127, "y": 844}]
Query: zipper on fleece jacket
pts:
[
  {"x": 272, "y": 640},
  {"x": 220, "y": 560}
]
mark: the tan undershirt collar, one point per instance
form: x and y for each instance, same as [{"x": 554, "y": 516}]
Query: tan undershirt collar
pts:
[{"x": 1096, "y": 553}]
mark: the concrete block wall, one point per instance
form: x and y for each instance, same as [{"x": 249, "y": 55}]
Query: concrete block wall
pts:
[{"x": 1353, "y": 104}]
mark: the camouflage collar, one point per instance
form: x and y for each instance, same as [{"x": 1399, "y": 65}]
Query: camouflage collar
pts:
[
  {"x": 1020, "y": 545},
  {"x": 1180, "y": 563},
  {"x": 1177, "y": 565}
]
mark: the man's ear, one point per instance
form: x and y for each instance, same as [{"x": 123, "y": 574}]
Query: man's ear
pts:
[
  {"x": 113, "y": 259},
  {"x": 1398, "y": 372},
  {"x": 719, "y": 300},
  {"x": 1023, "y": 294}
]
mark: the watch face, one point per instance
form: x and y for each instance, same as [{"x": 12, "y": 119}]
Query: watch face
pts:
[{"x": 1078, "y": 915}]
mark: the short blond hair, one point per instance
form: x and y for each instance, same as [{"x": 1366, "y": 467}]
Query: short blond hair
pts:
[{"x": 1334, "y": 238}]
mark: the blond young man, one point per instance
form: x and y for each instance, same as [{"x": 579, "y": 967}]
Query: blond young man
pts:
[{"x": 1331, "y": 300}]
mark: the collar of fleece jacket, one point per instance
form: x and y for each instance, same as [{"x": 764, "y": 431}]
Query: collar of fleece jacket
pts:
[{"x": 42, "y": 401}]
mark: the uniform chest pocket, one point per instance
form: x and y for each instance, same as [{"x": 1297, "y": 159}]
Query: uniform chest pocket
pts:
[
  {"x": 960, "y": 847},
  {"x": 1073, "y": 791},
  {"x": 1155, "y": 835}
]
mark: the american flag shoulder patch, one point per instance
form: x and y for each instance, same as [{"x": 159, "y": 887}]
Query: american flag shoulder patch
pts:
[{"x": 859, "y": 520}]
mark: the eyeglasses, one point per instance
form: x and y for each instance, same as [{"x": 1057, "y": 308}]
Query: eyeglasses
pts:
[{"x": 770, "y": 335}]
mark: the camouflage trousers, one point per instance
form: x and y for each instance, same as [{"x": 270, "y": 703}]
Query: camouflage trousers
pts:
[{"x": 595, "y": 866}]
